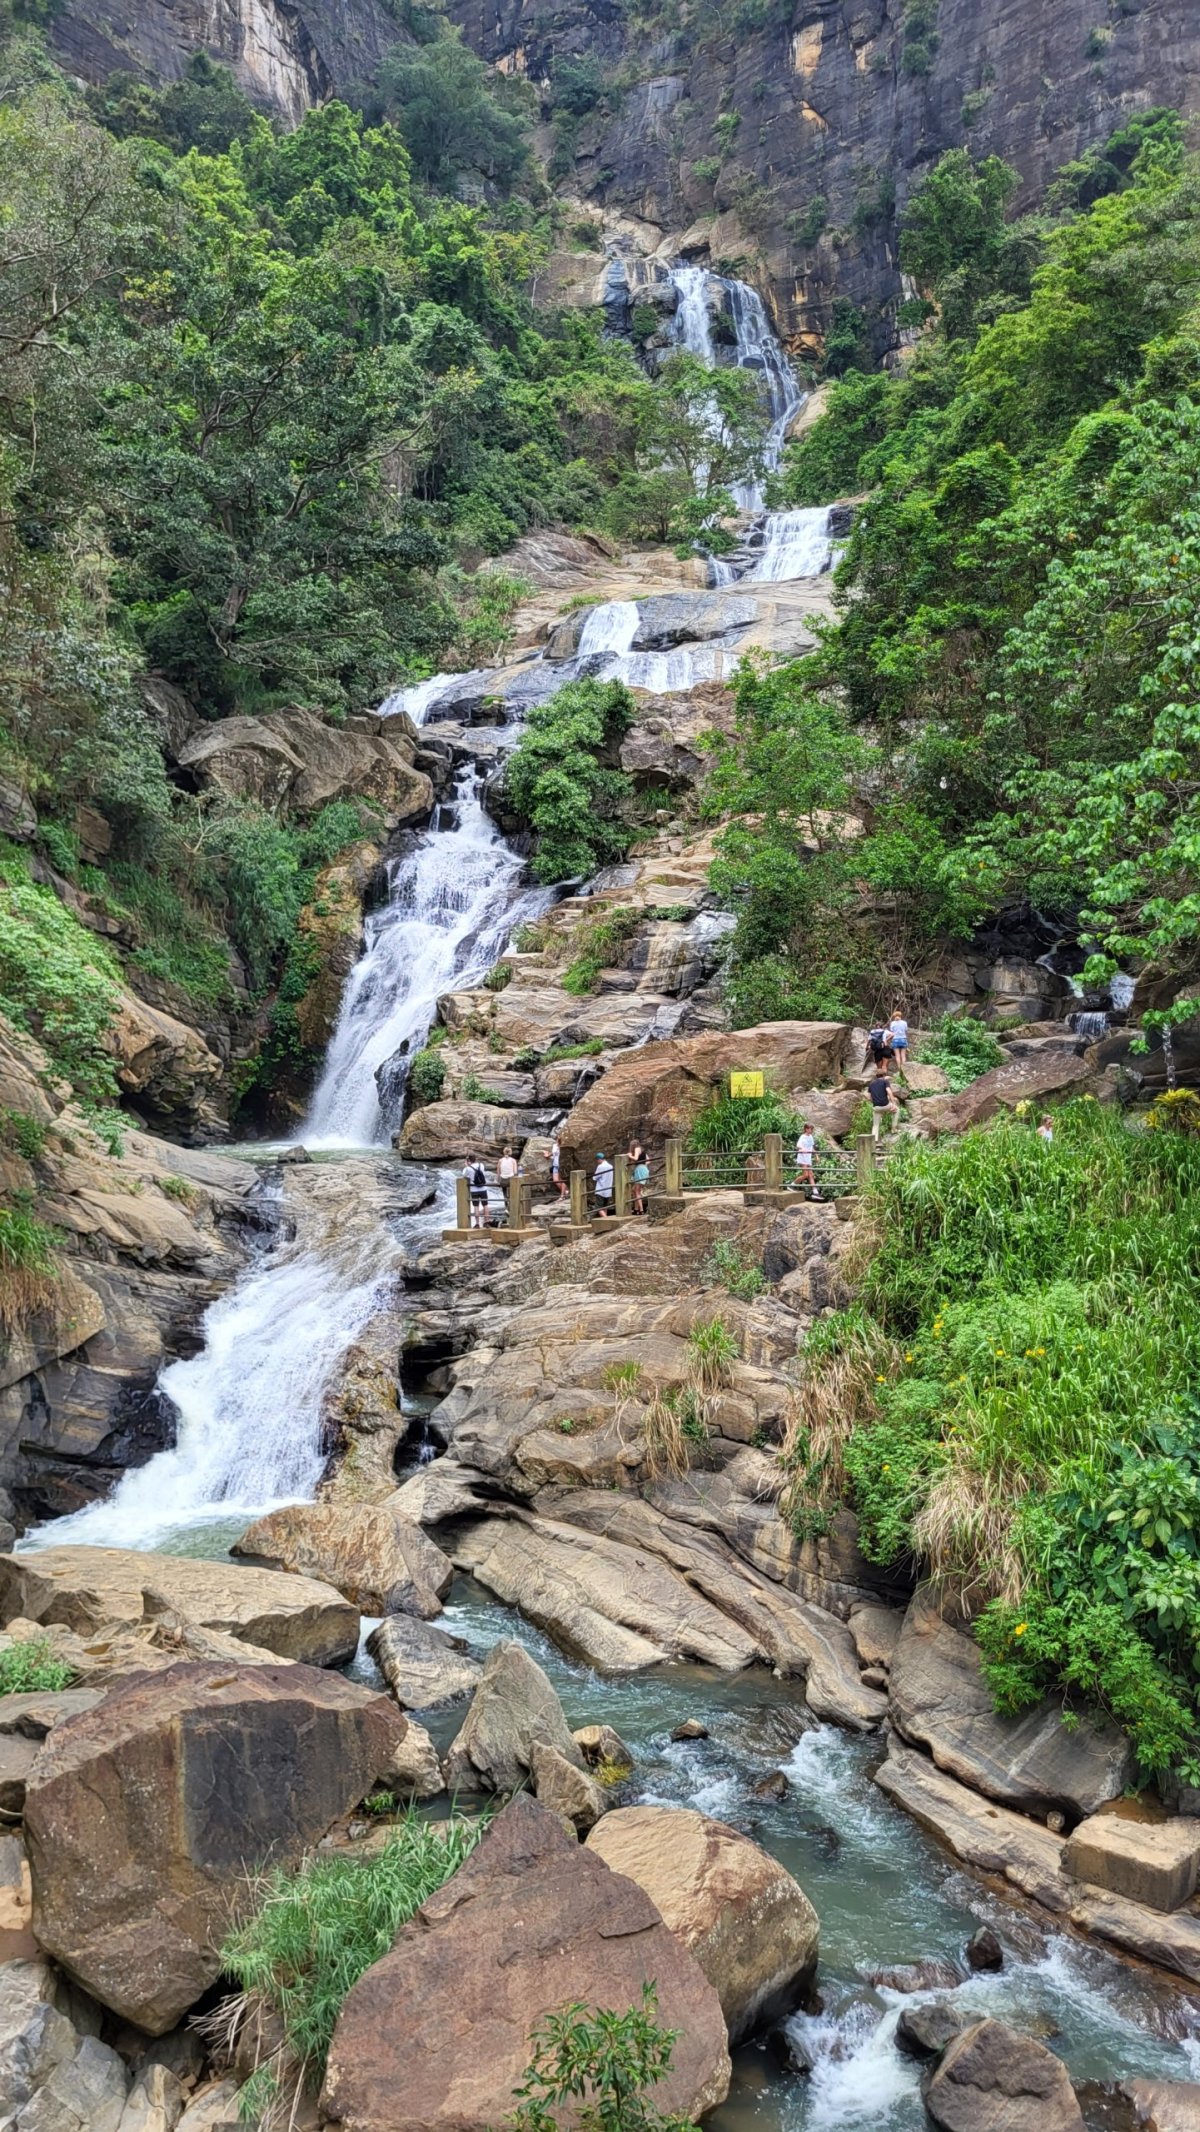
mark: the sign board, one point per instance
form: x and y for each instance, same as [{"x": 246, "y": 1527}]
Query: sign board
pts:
[{"x": 746, "y": 1084}]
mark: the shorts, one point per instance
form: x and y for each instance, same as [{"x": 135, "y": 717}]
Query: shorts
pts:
[{"x": 479, "y": 1199}]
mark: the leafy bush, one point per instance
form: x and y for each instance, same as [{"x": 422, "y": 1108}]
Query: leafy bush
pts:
[
  {"x": 427, "y": 1076},
  {"x": 558, "y": 780},
  {"x": 596, "y": 944},
  {"x": 26, "y": 1136},
  {"x": 963, "y": 1048},
  {"x": 33, "y": 1668},
  {"x": 595, "y": 2065},
  {"x": 26, "y": 1245},
  {"x": 314, "y": 1931},
  {"x": 727, "y": 1264},
  {"x": 56, "y": 980},
  {"x": 499, "y": 976},
  {"x": 734, "y": 1125}
]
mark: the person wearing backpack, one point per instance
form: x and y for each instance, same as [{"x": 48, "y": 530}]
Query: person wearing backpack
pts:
[{"x": 477, "y": 1185}]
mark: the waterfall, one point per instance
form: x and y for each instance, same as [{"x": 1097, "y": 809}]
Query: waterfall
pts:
[
  {"x": 796, "y": 543},
  {"x": 610, "y": 628}
]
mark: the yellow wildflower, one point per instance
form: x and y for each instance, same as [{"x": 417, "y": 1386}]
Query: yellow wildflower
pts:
[
  {"x": 879, "y": 1379},
  {"x": 1020, "y": 1628}
]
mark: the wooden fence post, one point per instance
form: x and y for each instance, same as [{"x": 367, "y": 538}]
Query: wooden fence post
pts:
[{"x": 866, "y": 1158}]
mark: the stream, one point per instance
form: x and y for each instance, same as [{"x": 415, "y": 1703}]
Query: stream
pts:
[{"x": 250, "y": 1438}]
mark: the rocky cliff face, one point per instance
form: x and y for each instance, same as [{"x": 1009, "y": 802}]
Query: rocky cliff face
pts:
[
  {"x": 286, "y": 56},
  {"x": 785, "y": 140}
]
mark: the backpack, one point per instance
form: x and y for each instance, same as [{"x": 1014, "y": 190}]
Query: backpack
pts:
[{"x": 478, "y": 1178}]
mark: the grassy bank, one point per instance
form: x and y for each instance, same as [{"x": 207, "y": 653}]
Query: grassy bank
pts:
[{"x": 1012, "y": 1403}]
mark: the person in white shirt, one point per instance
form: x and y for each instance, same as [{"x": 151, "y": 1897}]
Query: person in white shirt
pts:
[
  {"x": 508, "y": 1167},
  {"x": 556, "y": 1175},
  {"x": 1046, "y": 1128},
  {"x": 477, "y": 1185},
  {"x": 806, "y": 1156},
  {"x": 602, "y": 1185}
]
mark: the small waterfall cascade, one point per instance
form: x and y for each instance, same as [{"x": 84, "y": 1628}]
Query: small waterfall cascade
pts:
[
  {"x": 795, "y": 543},
  {"x": 452, "y": 902}
]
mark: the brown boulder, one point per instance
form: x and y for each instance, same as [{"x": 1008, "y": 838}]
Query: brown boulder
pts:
[
  {"x": 292, "y": 761},
  {"x": 659, "y": 1089},
  {"x": 92, "y": 1588},
  {"x": 570, "y": 1793},
  {"x": 940, "y": 1700},
  {"x": 144, "y": 1815},
  {"x": 513, "y": 1710},
  {"x": 1152, "y": 1862},
  {"x": 1054, "y": 1071},
  {"x": 1164, "y": 2105},
  {"x": 381, "y": 1561},
  {"x": 423, "y": 1666},
  {"x": 993, "y": 2080},
  {"x": 436, "y": 2037},
  {"x": 453, "y": 1129},
  {"x": 162, "y": 1062},
  {"x": 750, "y": 1926}
]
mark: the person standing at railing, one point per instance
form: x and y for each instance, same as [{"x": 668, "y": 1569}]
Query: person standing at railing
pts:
[
  {"x": 602, "y": 1185},
  {"x": 639, "y": 1176},
  {"x": 806, "y": 1157}
]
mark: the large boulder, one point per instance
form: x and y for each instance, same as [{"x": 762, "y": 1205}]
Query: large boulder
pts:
[
  {"x": 164, "y": 1064},
  {"x": 940, "y": 1700},
  {"x": 93, "y": 1588},
  {"x": 424, "y": 1667},
  {"x": 291, "y": 761},
  {"x": 513, "y": 1710},
  {"x": 1046, "y": 1068},
  {"x": 1152, "y": 1862},
  {"x": 144, "y": 1816},
  {"x": 991, "y": 2079},
  {"x": 659, "y": 1089},
  {"x": 750, "y": 1926},
  {"x": 436, "y": 2037},
  {"x": 380, "y": 1560},
  {"x": 455, "y": 1128}
]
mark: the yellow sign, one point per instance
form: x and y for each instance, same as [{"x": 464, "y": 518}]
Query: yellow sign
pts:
[{"x": 746, "y": 1084}]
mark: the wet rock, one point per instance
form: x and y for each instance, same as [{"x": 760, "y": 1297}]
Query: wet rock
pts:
[
  {"x": 925, "y": 2031},
  {"x": 424, "y": 1667},
  {"x": 1164, "y": 2105},
  {"x": 143, "y": 1816},
  {"x": 917, "y": 1976},
  {"x": 672, "y": 618},
  {"x": 458, "y": 1972},
  {"x": 984, "y": 1951},
  {"x": 94, "y": 1588},
  {"x": 790, "y": 2051},
  {"x": 380, "y": 1560},
  {"x": 691, "y": 1729},
  {"x": 750, "y": 1926},
  {"x": 940, "y": 1700},
  {"x": 775, "y": 1786},
  {"x": 992, "y": 2080},
  {"x": 604, "y": 1751},
  {"x": 1152, "y": 1862},
  {"x": 568, "y": 1792},
  {"x": 513, "y": 1709}
]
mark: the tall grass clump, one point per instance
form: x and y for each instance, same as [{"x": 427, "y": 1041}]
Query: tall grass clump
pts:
[
  {"x": 28, "y": 1265},
  {"x": 734, "y": 1125},
  {"x": 315, "y": 1931},
  {"x": 994, "y": 1406}
]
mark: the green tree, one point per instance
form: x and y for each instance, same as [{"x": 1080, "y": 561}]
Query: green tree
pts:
[
  {"x": 448, "y": 106},
  {"x": 562, "y": 778}
]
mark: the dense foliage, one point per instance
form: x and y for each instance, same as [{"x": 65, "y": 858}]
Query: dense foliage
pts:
[
  {"x": 1020, "y": 587},
  {"x": 1012, "y": 1402},
  {"x": 563, "y": 778}
]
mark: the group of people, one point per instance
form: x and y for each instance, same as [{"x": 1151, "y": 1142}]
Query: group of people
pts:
[
  {"x": 603, "y": 1180},
  {"x": 887, "y": 1047}
]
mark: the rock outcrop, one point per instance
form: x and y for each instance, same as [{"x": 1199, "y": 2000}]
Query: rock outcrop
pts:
[
  {"x": 940, "y": 1700},
  {"x": 993, "y": 2080},
  {"x": 513, "y": 1710},
  {"x": 293, "y": 762},
  {"x": 424, "y": 1667},
  {"x": 92, "y": 1588},
  {"x": 444, "y": 2020},
  {"x": 53, "y": 2073},
  {"x": 376, "y": 1558},
  {"x": 144, "y": 1815},
  {"x": 750, "y": 1926}
]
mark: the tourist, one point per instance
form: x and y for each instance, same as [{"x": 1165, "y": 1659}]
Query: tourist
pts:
[
  {"x": 602, "y": 1185},
  {"x": 477, "y": 1185},
  {"x": 879, "y": 1048},
  {"x": 806, "y": 1156},
  {"x": 639, "y": 1177},
  {"x": 883, "y": 1101},
  {"x": 508, "y": 1167},
  {"x": 556, "y": 1175},
  {"x": 1045, "y": 1130},
  {"x": 898, "y": 1031}
]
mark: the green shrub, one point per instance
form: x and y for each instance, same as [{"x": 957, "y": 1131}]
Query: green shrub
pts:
[
  {"x": 33, "y": 1668},
  {"x": 712, "y": 1352},
  {"x": 26, "y": 1245},
  {"x": 557, "y": 778},
  {"x": 427, "y": 1075},
  {"x": 498, "y": 977},
  {"x": 26, "y": 1136},
  {"x": 596, "y": 945},
  {"x": 56, "y": 979},
  {"x": 594, "y": 2066},
  {"x": 180, "y": 1188},
  {"x": 727, "y": 1264},
  {"x": 735, "y": 1125},
  {"x": 314, "y": 1931},
  {"x": 963, "y": 1048},
  {"x": 771, "y": 988}
]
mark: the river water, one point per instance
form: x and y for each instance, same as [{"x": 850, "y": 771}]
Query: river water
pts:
[{"x": 250, "y": 1406}]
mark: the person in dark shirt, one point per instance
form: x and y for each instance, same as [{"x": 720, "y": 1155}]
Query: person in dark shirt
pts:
[{"x": 883, "y": 1100}]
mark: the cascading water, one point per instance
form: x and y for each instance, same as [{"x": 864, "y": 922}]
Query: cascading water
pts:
[{"x": 795, "y": 543}]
